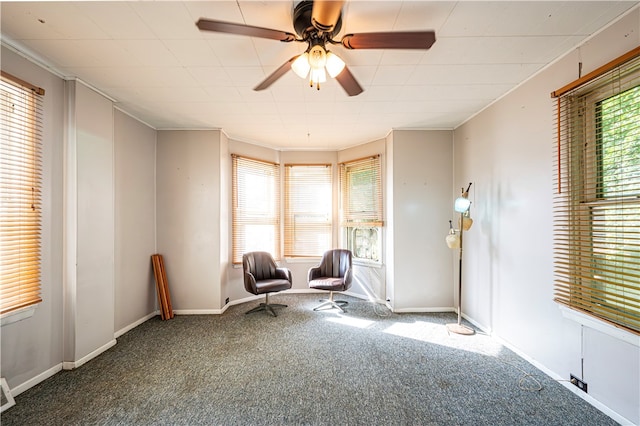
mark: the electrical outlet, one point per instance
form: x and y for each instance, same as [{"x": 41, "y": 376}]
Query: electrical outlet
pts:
[
  {"x": 579, "y": 383},
  {"x": 226, "y": 301}
]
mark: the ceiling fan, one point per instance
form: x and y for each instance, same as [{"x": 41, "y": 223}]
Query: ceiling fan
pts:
[{"x": 316, "y": 23}]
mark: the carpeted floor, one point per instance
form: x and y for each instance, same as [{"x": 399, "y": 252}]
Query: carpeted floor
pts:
[{"x": 364, "y": 367}]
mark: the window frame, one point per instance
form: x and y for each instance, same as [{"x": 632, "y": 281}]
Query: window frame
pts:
[
  {"x": 591, "y": 253},
  {"x": 20, "y": 186},
  {"x": 269, "y": 217},
  {"x": 354, "y": 216},
  {"x": 298, "y": 179}
]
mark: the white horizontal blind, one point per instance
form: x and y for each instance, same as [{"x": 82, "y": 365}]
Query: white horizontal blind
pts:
[
  {"x": 597, "y": 197},
  {"x": 361, "y": 192},
  {"x": 308, "y": 212},
  {"x": 20, "y": 194},
  {"x": 256, "y": 207}
]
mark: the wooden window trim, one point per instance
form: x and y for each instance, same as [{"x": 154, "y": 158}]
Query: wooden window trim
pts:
[
  {"x": 242, "y": 218},
  {"x": 303, "y": 186},
  {"x": 21, "y": 200},
  {"x": 597, "y": 196}
]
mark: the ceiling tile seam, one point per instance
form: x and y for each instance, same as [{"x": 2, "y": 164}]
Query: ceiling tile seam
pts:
[{"x": 584, "y": 41}]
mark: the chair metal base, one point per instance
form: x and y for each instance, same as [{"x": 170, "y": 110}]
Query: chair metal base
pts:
[
  {"x": 266, "y": 306},
  {"x": 331, "y": 304}
]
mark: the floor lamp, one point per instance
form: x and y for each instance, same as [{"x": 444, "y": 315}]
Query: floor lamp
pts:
[{"x": 461, "y": 205}]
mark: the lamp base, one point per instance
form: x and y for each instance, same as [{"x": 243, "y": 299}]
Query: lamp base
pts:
[{"x": 460, "y": 329}]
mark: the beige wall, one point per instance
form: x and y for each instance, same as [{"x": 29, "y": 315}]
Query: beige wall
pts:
[
  {"x": 188, "y": 217},
  {"x": 89, "y": 243},
  {"x": 135, "y": 224},
  {"x": 506, "y": 150},
  {"x": 420, "y": 171},
  {"x": 32, "y": 348}
]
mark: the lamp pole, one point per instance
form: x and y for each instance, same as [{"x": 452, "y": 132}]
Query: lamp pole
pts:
[
  {"x": 459, "y": 328},
  {"x": 460, "y": 271}
]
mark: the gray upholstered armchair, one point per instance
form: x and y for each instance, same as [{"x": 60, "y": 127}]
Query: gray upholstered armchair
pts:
[
  {"x": 263, "y": 276},
  {"x": 334, "y": 273}
]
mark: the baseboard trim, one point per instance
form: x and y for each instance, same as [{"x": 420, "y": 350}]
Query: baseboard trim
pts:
[
  {"x": 314, "y": 291},
  {"x": 199, "y": 311},
  {"x": 305, "y": 291},
  {"x": 564, "y": 382},
  {"x": 36, "y": 380},
  {"x": 239, "y": 302},
  {"x": 422, "y": 310},
  {"x": 477, "y": 325},
  {"x": 135, "y": 324},
  {"x": 70, "y": 365}
]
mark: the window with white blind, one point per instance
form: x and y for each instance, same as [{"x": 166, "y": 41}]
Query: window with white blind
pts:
[
  {"x": 256, "y": 207},
  {"x": 597, "y": 194},
  {"x": 20, "y": 193},
  {"x": 307, "y": 210},
  {"x": 361, "y": 207}
]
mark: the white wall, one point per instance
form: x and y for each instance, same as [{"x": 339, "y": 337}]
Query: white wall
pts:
[
  {"x": 369, "y": 280},
  {"x": 80, "y": 202},
  {"x": 188, "y": 217},
  {"x": 89, "y": 291},
  {"x": 225, "y": 217},
  {"x": 420, "y": 169},
  {"x": 506, "y": 151},
  {"x": 135, "y": 225},
  {"x": 32, "y": 348},
  {"x": 390, "y": 235}
]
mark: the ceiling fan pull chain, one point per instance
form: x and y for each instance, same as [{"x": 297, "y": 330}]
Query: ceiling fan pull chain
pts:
[{"x": 311, "y": 84}]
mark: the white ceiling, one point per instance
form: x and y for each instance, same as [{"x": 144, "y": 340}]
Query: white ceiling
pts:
[{"x": 152, "y": 60}]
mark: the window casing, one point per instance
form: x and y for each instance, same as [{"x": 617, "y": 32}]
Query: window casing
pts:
[
  {"x": 597, "y": 200},
  {"x": 307, "y": 210},
  {"x": 20, "y": 194},
  {"x": 364, "y": 242},
  {"x": 256, "y": 207},
  {"x": 361, "y": 207}
]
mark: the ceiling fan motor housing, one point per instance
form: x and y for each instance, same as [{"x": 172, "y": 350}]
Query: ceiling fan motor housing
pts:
[{"x": 303, "y": 25}]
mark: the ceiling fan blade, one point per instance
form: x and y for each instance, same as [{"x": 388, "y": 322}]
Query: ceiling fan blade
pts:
[
  {"x": 325, "y": 14},
  {"x": 275, "y": 75},
  {"x": 349, "y": 82},
  {"x": 390, "y": 40},
  {"x": 241, "y": 29}
]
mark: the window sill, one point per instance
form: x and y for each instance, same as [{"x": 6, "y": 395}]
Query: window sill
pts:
[
  {"x": 599, "y": 325},
  {"x": 19, "y": 315},
  {"x": 302, "y": 259},
  {"x": 367, "y": 263}
]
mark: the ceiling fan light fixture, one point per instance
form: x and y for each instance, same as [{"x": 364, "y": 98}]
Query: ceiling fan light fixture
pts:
[
  {"x": 317, "y": 57},
  {"x": 335, "y": 65},
  {"x": 317, "y": 76},
  {"x": 301, "y": 65},
  {"x": 317, "y": 22}
]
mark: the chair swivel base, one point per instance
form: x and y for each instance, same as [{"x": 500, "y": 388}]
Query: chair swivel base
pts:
[
  {"x": 266, "y": 307},
  {"x": 331, "y": 304}
]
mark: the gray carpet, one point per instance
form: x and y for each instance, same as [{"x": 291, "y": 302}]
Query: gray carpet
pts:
[{"x": 365, "y": 367}]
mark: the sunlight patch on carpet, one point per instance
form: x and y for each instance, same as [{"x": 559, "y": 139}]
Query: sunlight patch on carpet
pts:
[
  {"x": 438, "y": 334},
  {"x": 353, "y": 322}
]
